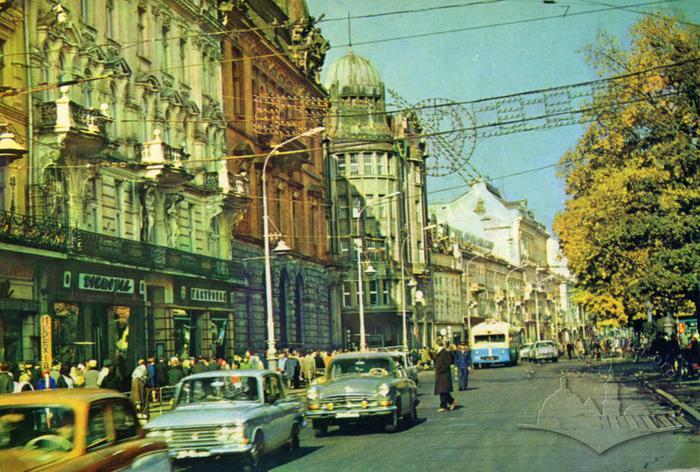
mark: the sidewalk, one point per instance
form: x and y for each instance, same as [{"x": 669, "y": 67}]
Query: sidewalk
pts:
[{"x": 683, "y": 395}]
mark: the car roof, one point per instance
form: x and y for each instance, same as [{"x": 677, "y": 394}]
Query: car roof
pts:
[
  {"x": 230, "y": 373},
  {"x": 72, "y": 396},
  {"x": 372, "y": 355}
]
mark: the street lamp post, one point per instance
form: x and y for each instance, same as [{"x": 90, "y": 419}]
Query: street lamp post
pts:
[
  {"x": 271, "y": 351},
  {"x": 469, "y": 311},
  {"x": 360, "y": 290},
  {"x": 403, "y": 288},
  {"x": 508, "y": 304}
]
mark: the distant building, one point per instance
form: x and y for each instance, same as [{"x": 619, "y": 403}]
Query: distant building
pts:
[
  {"x": 272, "y": 58},
  {"x": 510, "y": 277},
  {"x": 378, "y": 206}
]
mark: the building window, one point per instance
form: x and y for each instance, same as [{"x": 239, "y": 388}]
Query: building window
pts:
[
  {"x": 191, "y": 226},
  {"x": 379, "y": 163},
  {"x": 214, "y": 237},
  {"x": 109, "y": 19},
  {"x": 368, "y": 163},
  {"x": 344, "y": 247},
  {"x": 354, "y": 164},
  {"x": 385, "y": 291},
  {"x": 85, "y": 11},
  {"x": 373, "y": 294},
  {"x": 183, "y": 56},
  {"x": 165, "y": 43},
  {"x": 341, "y": 164},
  {"x": 237, "y": 79},
  {"x": 118, "y": 204},
  {"x": 141, "y": 32},
  {"x": 87, "y": 90},
  {"x": 347, "y": 294}
]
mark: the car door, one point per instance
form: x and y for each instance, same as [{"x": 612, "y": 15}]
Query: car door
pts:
[
  {"x": 288, "y": 411},
  {"x": 402, "y": 387},
  {"x": 273, "y": 411}
]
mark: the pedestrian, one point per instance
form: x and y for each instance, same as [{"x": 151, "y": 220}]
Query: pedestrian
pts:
[
  {"x": 201, "y": 366},
  {"x": 7, "y": 384},
  {"x": 175, "y": 373},
  {"x": 463, "y": 362},
  {"x": 64, "y": 379},
  {"x": 443, "y": 378},
  {"x": 139, "y": 378},
  {"x": 78, "y": 375},
  {"x": 24, "y": 384},
  {"x": 46, "y": 382},
  {"x": 112, "y": 380},
  {"x": 91, "y": 374},
  {"x": 292, "y": 369},
  {"x": 308, "y": 367},
  {"x": 161, "y": 372},
  {"x": 106, "y": 364},
  {"x": 569, "y": 349}
]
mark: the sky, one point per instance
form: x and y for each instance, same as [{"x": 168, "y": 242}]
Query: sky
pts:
[{"x": 486, "y": 61}]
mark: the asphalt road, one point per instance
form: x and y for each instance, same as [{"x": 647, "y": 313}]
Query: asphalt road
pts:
[{"x": 483, "y": 434}]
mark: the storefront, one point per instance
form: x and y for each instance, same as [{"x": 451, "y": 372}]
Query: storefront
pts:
[
  {"x": 201, "y": 320},
  {"x": 98, "y": 313},
  {"x": 18, "y": 310}
]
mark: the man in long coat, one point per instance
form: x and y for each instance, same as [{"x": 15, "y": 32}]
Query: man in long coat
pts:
[{"x": 443, "y": 378}]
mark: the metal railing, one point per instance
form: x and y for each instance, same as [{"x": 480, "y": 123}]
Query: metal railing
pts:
[{"x": 49, "y": 235}]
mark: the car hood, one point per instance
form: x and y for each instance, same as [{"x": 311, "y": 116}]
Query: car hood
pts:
[
  {"x": 20, "y": 459},
  {"x": 352, "y": 384},
  {"x": 202, "y": 414}
]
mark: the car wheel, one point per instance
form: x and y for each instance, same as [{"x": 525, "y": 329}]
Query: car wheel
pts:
[
  {"x": 320, "y": 428},
  {"x": 392, "y": 424},
  {"x": 294, "y": 438},
  {"x": 413, "y": 416},
  {"x": 556, "y": 359},
  {"x": 254, "y": 454}
]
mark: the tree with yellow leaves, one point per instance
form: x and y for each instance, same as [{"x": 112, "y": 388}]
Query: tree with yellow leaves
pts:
[{"x": 631, "y": 228}]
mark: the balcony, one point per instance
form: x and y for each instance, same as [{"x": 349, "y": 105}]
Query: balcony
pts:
[
  {"x": 51, "y": 236},
  {"x": 84, "y": 129},
  {"x": 163, "y": 162},
  {"x": 211, "y": 182},
  {"x": 37, "y": 233},
  {"x": 153, "y": 257}
]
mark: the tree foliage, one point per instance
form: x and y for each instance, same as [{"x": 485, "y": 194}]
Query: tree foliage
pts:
[{"x": 631, "y": 228}]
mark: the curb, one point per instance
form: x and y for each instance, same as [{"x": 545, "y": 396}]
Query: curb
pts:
[{"x": 687, "y": 409}]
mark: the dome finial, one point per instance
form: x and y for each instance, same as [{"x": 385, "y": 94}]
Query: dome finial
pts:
[{"x": 349, "y": 34}]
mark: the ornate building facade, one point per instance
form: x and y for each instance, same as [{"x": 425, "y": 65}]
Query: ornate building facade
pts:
[
  {"x": 272, "y": 59},
  {"x": 129, "y": 205},
  {"x": 377, "y": 189}
]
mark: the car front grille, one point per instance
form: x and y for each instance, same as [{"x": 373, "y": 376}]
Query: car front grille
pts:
[
  {"x": 194, "y": 438},
  {"x": 348, "y": 400}
]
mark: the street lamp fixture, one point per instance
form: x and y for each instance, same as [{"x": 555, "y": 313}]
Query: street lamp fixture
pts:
[
  {"x": 10, "y": 149},
  {"x": 358, "y": 248},
  {"x": 370, "y": 270},
  {"x": 280, "y": 248}
]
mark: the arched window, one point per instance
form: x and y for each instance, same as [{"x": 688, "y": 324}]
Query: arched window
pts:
[
  {"x": 299, "y": 308},
  {"x": 214, "y": 237},
  {"x": 114, "y": 108},
  {"x": 284, "y": 282},
  {"x": 145, "y": 115}
]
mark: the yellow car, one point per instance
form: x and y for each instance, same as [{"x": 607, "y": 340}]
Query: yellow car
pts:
[{"x": 75, "y": 430}]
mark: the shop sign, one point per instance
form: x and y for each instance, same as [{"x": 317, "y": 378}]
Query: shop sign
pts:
[
  {"x": 45, "y": 334},
  {"x": 207, "y": 295},
  {"x": 103, "y": 283}
]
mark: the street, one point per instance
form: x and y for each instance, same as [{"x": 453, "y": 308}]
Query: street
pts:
[{"x": 483, "y": 433}]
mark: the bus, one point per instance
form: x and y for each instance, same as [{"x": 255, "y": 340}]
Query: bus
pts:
[{"x": 493, "y": 343}]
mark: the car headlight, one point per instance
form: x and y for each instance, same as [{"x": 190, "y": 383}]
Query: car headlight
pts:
[
  {"x": 231, "y": 433},
  {"x": 164, "y": 434},
  {"x": 384, "y": 390},
  {"x": 312, "y": 393}
]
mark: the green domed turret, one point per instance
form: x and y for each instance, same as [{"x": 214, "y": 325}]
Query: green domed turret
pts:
[{"x": 354, "y": 76}]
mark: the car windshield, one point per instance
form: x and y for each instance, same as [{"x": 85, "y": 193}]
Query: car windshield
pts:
[
  {"x": 44, "y": 428},
  {"x": 361, "y": 365},
  {"x": 219, "y": 389},
  {"x": 545, "y": 344},
  {"x": 490, "y": 338}
]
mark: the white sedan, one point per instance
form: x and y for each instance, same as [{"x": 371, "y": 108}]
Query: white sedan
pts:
[
  {"x": 524, "y": 352},
  {"x": 544, "y": 351}
]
